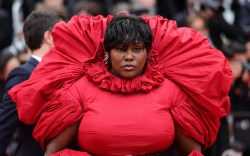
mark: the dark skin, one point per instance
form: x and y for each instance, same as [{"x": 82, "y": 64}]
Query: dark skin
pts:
[
  {"x": 184, "y": 144},
  {"x": 63, "y": 140}
]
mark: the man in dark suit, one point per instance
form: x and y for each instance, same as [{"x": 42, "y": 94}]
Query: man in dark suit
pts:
[{"x": 37, "y": 32}]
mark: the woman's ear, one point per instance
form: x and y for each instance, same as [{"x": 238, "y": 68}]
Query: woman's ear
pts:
[{"x": 106, "y": 58}]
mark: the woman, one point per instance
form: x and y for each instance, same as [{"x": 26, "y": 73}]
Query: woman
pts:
[{"x": 157, "y": 86}]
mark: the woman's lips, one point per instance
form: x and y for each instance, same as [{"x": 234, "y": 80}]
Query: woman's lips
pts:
[{"x": 128, "y": 67}]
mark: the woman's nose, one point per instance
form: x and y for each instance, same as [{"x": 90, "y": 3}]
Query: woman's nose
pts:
[{"x": 128, "y": 55}]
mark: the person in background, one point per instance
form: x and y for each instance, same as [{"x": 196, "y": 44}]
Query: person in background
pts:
[
  {"x": 5, "y": 28},
  {"x": 220, "y": 31},
  {"x": 56, "y": 5},
  {"x": 121, "y": 6},
  {"x": 247, "y": 45},
  {"x": 91, "y": 8},
  {"x": 236, "y": 137},
  {"x": 239, "y": 93},
  {"x": 8, "y": 61},
  {"x": 126, "y": 85},
  {"x": 199, "y": 24},
  {"x": 178, "y": 10},
  {"x": 37, "y": 32}
]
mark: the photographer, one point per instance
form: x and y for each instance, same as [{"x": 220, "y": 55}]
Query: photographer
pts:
[
  {"x": 240, "y": 98},
  {"x": 239, "y": 127}
]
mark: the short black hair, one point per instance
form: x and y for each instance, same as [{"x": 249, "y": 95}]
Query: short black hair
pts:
[
  {"x": 126, "y": 30},
  {"x": 36, "y": 24}
]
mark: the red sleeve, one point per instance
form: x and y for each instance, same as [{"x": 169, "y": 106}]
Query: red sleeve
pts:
[
  {"x": 187, "y": 59},
  {"x": 58, "y": 114},
  {"x": 195, "y": 121},
  {"x": 202, "y": 72},
  {"x": 76, "y": 43}
]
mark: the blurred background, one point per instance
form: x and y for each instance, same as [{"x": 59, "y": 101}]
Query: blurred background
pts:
[{"x": 225, "y": 23}]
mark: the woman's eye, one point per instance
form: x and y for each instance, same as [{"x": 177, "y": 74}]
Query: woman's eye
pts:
[
  {"x": 120, "y": 49},
  {"x": 138, "y": 49}
]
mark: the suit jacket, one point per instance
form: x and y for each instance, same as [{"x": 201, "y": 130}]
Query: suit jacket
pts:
[{"x": 27, "y": 145}]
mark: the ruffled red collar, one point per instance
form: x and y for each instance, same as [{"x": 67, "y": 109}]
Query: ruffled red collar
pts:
[{"x": 152, "y": 77}]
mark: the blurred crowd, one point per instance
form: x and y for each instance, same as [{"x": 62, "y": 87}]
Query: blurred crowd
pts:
[{"x": 225, "y": 23}]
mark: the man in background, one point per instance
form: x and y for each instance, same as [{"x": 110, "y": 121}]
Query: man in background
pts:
[{"x": 37, "y": 32}]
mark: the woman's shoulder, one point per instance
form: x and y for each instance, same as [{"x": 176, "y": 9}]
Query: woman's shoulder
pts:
[
  {"x": 170, "y": 92},
  {"x": 170, "y": 85}
]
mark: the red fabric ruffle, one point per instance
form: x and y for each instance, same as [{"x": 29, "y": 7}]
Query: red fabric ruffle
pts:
[{"x": 195, "y": 122}]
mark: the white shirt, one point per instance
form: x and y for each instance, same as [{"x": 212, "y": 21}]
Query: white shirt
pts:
[{"x": 39, "y": 59}]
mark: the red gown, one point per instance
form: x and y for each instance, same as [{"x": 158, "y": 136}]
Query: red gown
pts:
[{"x": 71, "y": 82}]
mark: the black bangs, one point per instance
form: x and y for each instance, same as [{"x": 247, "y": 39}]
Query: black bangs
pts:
[{"x": 127, "y": 30}]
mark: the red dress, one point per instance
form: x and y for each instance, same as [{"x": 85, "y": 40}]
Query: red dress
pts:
[{"x": 186, "y": 82}]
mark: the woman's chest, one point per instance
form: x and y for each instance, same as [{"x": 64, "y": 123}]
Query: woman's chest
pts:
[{"x": 126, "y": 122}]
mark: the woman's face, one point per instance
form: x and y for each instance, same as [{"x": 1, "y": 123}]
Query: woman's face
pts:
[{"x": 128, "y": 63}]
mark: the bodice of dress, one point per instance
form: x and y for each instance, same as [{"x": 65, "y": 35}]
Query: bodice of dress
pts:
[{"x": 126, "y": 124}]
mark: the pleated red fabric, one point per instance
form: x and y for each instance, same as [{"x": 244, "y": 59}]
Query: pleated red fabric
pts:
[{"x": 179, "y": 54}]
